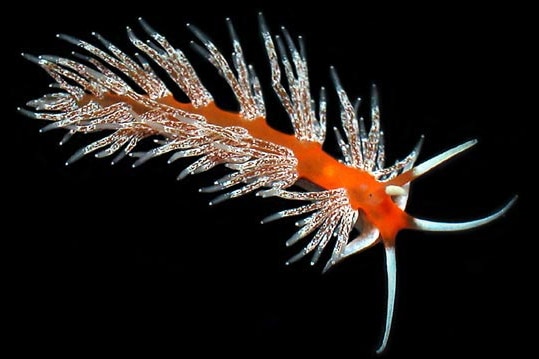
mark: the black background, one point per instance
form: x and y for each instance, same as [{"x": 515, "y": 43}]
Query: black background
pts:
[{"x": 120, "y": 260}]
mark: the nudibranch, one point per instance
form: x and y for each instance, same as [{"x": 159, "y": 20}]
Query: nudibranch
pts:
[{"x": 354, "y": 202}]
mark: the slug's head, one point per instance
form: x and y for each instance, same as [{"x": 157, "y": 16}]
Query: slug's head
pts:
[
  {"x": 381, "y": 209},
  {"x": 382, "y": 203}
]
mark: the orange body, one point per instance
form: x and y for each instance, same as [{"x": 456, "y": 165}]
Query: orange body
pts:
[{"x": 316, "y": 166}]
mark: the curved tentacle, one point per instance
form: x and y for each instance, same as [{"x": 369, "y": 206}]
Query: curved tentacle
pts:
[
  {"x": 391, "y": 271},
  {"x": 425, "y": 225}
]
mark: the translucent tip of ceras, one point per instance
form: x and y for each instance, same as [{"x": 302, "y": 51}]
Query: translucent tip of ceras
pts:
[
  {"x": 289, "y": 42},
  {"x": 335, "y": 77},
  {"x": 316, "y": 256},
  {"x": 76, "y": 156},
  {"x": 266, "y": 193},
  {"x": 425, "y": 225},
  {"x": 105, "y": 153},
  {"x": 302, "y": 47},
  {"x": 219, "y": 199},
  {"x": 80, "y": 56},
  {"x": 297, "y": 257},
  {"x": 231, "y": 30},
  {"x": 183, "y": 174},
  {"x": 200, "y": 50},
  {"x": 211, "y": 189},
  {"x": 329, "y": 265},
  {"x": 176, "y": 156},
  {"x": 375, "y": 98},
  {"x": 271, "y": 218},
  {"x": 118, "y": 157},
  {"x": 142, "y": 157},
  {"x": 101, "y": 39},
  {"x": 295, "y": 237},
  {"x": 70, "y": 39},
  {"x": 199, "y": 34},
  {"x": 142, "y": 60},
  {"x": 27, "y": 113},
  {"x": 35, "y": 59},
  {"x": 419, "y": 144},
  {"x": 262, "y": 23},
  {"x": 375, "y": 102},
  {"x": 146, "y": 27},
  {"x": 50, "y": 58},
  {"x": 50, "y": 126},
  {"x": 130, "y": 34},
  {"x": 302, "y": 222}
]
